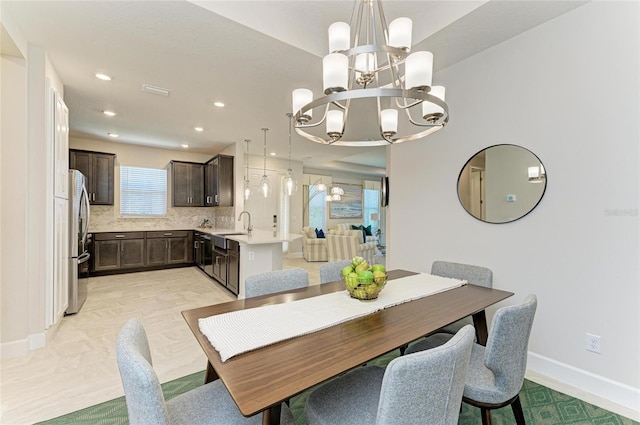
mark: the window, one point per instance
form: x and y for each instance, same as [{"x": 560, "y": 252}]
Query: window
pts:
[
  {"x": 143, "y": 191},
  {"x": 317, "y": 208},
  {"x": 371, "y": 208}
]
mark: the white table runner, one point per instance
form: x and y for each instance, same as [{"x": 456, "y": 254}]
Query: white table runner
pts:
[{"x": 245, "y": 330}]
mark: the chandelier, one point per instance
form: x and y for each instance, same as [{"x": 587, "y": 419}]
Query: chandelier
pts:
[{"x": 376, "y": 82}]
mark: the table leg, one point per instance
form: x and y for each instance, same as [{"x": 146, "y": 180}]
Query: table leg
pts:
[
  {"x": 271, "y": 416},
  {"x": 480, "y": 323},
  {"x": 210, "y": 374}
]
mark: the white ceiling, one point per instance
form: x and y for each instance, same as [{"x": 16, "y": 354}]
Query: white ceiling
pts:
[{"x": 248, "y": 54}]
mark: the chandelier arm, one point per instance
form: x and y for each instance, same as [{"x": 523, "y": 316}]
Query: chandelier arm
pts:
[
  {"x": 343, "y": 107},
  {"x": 383, "y": 21},
  {"x": 407, "y": 106},
  {"x": 311, "y": 125}
]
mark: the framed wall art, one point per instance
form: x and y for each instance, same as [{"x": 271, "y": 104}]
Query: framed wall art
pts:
[{"x": 350, "y": 204}]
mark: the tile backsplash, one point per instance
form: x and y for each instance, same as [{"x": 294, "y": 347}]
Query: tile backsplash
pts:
[{"x": 104, "y": 219}]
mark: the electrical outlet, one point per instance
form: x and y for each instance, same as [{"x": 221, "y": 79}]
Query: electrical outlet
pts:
[
  {"x": 252, "y": 255},
  {"x": 593, "y": 343}
]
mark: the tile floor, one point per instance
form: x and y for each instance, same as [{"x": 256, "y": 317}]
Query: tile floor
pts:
[{"x": 78, "y": 366}]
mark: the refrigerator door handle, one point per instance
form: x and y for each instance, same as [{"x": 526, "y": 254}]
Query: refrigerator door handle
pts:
[
  {"x": 85, "y": 231},
  {"x": 84, "y": 257}
]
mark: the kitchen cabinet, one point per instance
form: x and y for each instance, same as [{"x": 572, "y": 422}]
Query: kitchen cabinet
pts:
[
  {"x": 171, "y": 247},
  {"x": 116, "y": 251},
  {"x": 219, "y": 184},
  {"x": 122, "y": 252},
  {"x": 187, "y": 180},
  {"x": 98, "y": 169}
]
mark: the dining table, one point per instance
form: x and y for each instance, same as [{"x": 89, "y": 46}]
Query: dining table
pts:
[{"x": 261, "y": 379}]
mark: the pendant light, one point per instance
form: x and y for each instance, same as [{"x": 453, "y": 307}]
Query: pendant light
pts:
[
  {"x": 289, "y": 185},
  {"x": 265, "y": 187},
  {"x": 247, "y": 184}
]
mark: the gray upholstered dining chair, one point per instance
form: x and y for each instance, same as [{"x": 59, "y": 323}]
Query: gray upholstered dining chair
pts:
[
  {"x": 330, "y": 272},
  {"x": 496, "y": 372},
  {"x": 146, "y": 405},
  {"x": 476, "y": 275},
  {"x": 275, "y": 281},
  {"x": 423, "y": 388}
]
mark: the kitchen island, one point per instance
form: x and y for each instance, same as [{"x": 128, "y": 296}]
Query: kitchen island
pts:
[{"x": 259, "y": 252}]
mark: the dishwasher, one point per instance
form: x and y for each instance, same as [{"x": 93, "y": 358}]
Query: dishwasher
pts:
[
  {"x": 220, "y": 259},
  {"x": 233, "y": 266}
]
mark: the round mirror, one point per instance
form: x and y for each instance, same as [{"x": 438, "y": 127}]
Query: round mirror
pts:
[{"x": 501, "y": 183}]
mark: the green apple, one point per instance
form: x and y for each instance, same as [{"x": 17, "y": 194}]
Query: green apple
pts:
[
  {"x": 347, "y": 270},
  {"x": 352, "y": 280},
  {"x": 365, "y": 276},
  {"x": 378, "y": 267}
]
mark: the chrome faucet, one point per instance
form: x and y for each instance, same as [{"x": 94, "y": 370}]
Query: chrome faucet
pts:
[{"x": 249, "y": 227}]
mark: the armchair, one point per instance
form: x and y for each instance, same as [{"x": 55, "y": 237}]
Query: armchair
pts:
[
  {"x": 346, "y": 244},
  {"x": 313, "y": 248}
]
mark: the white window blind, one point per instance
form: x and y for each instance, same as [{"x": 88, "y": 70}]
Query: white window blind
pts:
[{"x": 143, "y": 191}]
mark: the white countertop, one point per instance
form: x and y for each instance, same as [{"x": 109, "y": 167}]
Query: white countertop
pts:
[{"x": 257, "y": 236}]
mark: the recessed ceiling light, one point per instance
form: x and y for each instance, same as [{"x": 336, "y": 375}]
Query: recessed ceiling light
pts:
[
  {"x": 272, "y": 154},
  {"x": 184, "y": 146},
  {"x": 198, "y": 129},
  {"x": 109, "y": 113},
  {"x": 113, "y": 134},
  {"x": 219, "y": 104},
  {"x": 104, "y": 77}
]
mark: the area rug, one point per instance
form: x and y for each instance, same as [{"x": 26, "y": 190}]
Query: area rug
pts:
[{"x": 541, "y": 406}]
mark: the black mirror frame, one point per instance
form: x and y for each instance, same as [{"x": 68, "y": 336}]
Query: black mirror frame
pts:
[{"x": 483, "y": 150}]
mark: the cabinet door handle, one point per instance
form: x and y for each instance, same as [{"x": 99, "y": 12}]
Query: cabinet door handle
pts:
[
  {"x": 120, "y": 236},
  {"x": 195, "y": 244},
  {"x": 168, "y": 234},
  {"x": 216, "y": 198},
  {"x": 93, "y": 196}
]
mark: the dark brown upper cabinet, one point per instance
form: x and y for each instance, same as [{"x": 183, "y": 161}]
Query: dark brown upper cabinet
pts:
[
  {"x": 98, "y": 169},
  {"x": 218, "y": 183},
  {"x": 187, "y": 180}
]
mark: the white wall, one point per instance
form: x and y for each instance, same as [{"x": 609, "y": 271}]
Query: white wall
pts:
[
  {"x": 14, "y": 330},
  {"x": 568, "y": 91}
]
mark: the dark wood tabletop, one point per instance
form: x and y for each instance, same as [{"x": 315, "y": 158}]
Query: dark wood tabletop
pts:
[{"x": 261, "y": 379}]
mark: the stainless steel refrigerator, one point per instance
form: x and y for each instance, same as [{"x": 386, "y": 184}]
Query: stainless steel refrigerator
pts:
[{"x": 79, "y": 240}]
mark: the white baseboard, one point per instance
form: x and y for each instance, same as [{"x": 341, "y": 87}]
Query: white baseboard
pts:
[
  {"x": 13, "y": 349},
  {"x": 37, "y": 341},
  {"x": 22, "y": 347},
  {"x": 583, "y": 381}
]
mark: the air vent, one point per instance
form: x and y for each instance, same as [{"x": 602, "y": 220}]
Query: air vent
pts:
[{"x": 156, "y": 90}]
